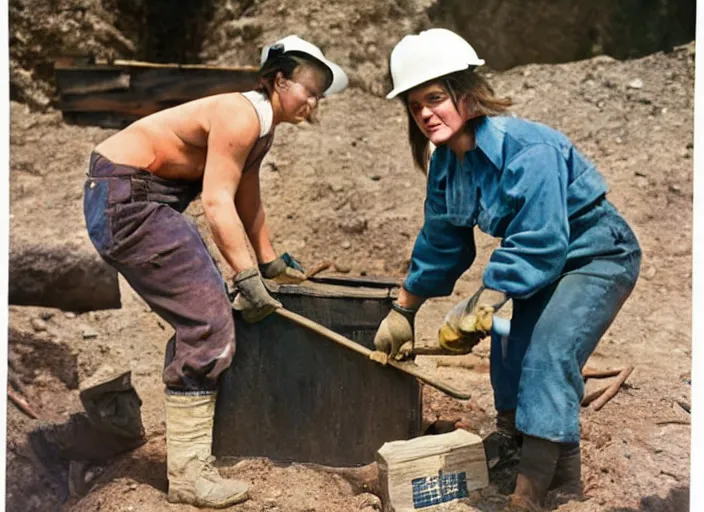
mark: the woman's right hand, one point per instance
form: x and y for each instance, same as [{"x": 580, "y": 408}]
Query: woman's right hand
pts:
[{"x": 395, "y": 331}]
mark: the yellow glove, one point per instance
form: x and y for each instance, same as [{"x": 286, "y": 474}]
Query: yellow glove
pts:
[
  {"x": 394, "y": 338},
  {"x": 470, "y": 321}
]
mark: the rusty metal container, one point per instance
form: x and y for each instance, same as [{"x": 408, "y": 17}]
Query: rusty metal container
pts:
[{"x": 294, "y": 395}]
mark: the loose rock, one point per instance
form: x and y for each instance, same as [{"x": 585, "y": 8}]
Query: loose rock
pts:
[
  {"x": 38, "y": 325},
  {"x": 89, "y": 333}
]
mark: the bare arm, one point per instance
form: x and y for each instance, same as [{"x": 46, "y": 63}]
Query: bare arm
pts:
[
  {"x": 248, "y": 201},
  {"x": 229, "y": 141}
]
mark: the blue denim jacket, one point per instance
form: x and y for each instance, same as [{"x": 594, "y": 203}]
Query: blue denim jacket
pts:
[{"x": 523, "y": 182}]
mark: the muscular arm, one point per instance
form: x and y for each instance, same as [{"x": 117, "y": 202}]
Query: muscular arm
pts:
[
  {"x": 249, "y": 206},
  {"x": 229, "y": 141}
]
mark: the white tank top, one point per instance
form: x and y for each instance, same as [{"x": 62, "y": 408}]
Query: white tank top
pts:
[{"x": 265, "y": 112}]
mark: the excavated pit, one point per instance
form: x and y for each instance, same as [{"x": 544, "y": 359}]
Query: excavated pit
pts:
[{"x": 508, "y": 34}]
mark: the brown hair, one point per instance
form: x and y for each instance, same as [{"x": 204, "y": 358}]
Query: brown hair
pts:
[{"x": 460, "y": 85}]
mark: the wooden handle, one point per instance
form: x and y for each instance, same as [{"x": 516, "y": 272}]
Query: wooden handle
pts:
[
  {"x": 436, "y": 351},
  {"x": 413, "y": 369},
  {"x": 409, "y": 368}
]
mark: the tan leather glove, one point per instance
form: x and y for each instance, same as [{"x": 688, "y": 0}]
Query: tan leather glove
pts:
[
  {"x": 468, "y": 322},
  {"x": 395, "y": 335},
  {"x": 253, "y": 299},
  {"x": 283, "y": 270}
]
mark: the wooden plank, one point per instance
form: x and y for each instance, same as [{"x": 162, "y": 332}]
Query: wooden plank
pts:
[
  {"x": 90, "y": 64},
  {"x": 150, "y": 92},
  {"x": 77, "y": 82},
  {"x": 154, "y": 65},
  {"x": 116, "y": 93},
  {"x": 430, "y": 471},
  {"x": 99, "y": 118}
]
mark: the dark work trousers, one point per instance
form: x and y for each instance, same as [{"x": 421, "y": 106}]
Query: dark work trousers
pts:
[{"x": 135, "y": 221}]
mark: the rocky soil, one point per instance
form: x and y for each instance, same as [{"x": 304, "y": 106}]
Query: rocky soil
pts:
[{"x": 346, "y": 190}]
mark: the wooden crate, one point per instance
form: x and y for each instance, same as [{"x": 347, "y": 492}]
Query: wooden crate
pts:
[{"x": 428, "y": 472}]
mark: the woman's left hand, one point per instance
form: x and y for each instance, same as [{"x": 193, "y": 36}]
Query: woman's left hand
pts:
[{"x": 471, "y": 320}]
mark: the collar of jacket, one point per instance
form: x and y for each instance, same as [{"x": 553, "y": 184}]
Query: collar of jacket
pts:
[{"x": 489, "y": 136}]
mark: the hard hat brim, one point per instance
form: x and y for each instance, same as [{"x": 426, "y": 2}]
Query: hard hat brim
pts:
[
  {"x": 431, "y": 75},
  {"x": 339, "y": 77}
]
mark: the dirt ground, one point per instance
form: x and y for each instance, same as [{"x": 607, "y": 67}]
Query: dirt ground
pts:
[{"x": 346, "y": 190}]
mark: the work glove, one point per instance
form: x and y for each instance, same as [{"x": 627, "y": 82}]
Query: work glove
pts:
[
  {"x": 469, "y": 321},
  {"x": 283, "y": 270},
  {"x": 253, "y": 300},
  {"x": 394, "y": 337}
]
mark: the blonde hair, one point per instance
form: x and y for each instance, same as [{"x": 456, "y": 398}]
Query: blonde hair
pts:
[{"x": 465, "y": 85}]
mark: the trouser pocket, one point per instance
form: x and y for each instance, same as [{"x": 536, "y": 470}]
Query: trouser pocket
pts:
[{"x": 95, "y": 205}]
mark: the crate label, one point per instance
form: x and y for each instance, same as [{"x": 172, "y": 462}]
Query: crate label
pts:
[{"x": 434, "y": 490}]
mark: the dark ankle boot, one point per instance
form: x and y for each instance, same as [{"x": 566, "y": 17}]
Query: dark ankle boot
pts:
[
  {"x": 536, "y": 470},
  {"x": 502, "y": 445},
  {"x": 568, "y": 471}
]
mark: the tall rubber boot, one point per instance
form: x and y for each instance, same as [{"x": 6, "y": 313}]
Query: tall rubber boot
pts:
[
  {"x": 503, "y": 445},
  {"x": 189, "y": 435},
  {"x": 568, "y": 471},
  {"x": 536, "y": 470}
]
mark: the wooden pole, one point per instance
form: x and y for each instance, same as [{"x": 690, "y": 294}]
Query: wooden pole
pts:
[
  {"x": 409, "y": 368},
  {"x": 593, "y": 396},
  {"x": 22, "y": 404},
  {"x": 590, "y": 373},
  {"x": 612, "y": 390},
  {"x": 318, "y": 268}
]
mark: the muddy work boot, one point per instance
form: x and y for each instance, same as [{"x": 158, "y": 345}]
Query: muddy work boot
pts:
[
  {"x": 189, "y": 435},
  {"x": 568, "y": 471},
  {"x": 536, "y": 470},
  {"x": 502, "y": 447}
]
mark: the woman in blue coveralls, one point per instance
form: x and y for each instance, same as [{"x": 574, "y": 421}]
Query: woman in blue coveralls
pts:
[{"x": 567, "y": 258}]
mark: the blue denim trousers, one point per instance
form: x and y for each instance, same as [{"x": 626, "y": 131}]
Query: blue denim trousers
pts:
[
  {"x": 553, "y": 333},
  {"x": 135, "y": 221}
]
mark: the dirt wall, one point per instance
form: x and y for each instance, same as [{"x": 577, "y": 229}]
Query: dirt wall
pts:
[{"x": 359, "y": 35}]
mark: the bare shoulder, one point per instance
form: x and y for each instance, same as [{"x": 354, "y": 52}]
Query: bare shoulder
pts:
[
  {"x": 230, "y": 116},
  {"x": 235, "y": 108}
]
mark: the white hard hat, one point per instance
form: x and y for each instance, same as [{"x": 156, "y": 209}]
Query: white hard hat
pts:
[
  {"x": 431, "y": 54},
  {"x": 295, "y": 45}
]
